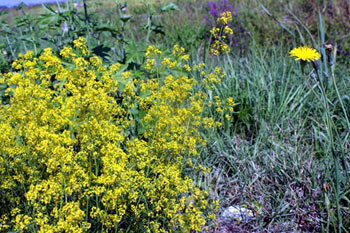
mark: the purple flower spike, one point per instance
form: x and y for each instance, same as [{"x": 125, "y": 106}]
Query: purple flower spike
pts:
[
  {"x": 214, "y": 5},
  {"x": 206, "y": 19},
  {"x": 230, "y": 7},
  {"x": 209, "y": 5},
  {"x": 223, "y": 5},
  {"x": 213, "y": 10}
]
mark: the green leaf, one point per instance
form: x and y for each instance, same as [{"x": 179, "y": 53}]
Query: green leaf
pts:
[
  {"x": 274, "y": 18},
  {"x": 26, "y": 38},
  {"x": 101, "y": 50},
  {"x": 48, "y": 8},
  {"x": 46, "y": 19},
  {"x": 135, "y": 51},
  {"x": 125, "y": 18},
  {"x": 3, "y": 13},
  {"x": 170, "y": 7},
  {"x": 106, "y": 29}
]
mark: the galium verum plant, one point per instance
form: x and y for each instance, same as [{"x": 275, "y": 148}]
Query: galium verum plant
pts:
[
  {"x": 98, "y": 149},
  {"x": 221, "y": 33}
]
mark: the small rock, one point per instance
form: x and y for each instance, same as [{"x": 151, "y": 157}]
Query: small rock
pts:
[{"x": 238, "y": 214}]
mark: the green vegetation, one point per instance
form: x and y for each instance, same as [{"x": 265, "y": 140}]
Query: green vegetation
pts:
[{"x": 160, "y": 113}]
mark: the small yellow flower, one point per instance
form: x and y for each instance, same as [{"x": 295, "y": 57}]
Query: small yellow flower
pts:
[
  {"x": 187, "y": 67},
  {"x": 228, "y": 30},
  {"x": 186, "y": 57},
  {"x": 225, "y": 18},
  {"x": 305, "y": 53}
]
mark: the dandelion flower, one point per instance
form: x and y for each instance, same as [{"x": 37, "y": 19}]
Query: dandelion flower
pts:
[{"x": 305, "y": 54}]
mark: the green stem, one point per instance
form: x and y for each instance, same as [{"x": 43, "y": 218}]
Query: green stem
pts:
[
  {"x": 149, "y": 25},
  {"x": 87, "y": 22},
  {"x": 330, "y": 126},
  {"x": 311, "y": 88},
  {"x": 10, "y": 46},
  {"x": 337, "y": 190}
]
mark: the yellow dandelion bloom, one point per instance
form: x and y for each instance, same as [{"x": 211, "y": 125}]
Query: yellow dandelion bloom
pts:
[{"x": 305, "y": 53}]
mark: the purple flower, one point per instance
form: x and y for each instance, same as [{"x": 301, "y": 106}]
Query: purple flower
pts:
[
  {"x": 64, "y": 27},
  {"x": 206, "y": 19},
  {"x": 230, "y": 7},
  {"x": 124, "y": 9},
  {"x": 223, "y": 5},
  {"x": 216, "y": 8},
  {"x": 77, "y": 5},
  {"x": 213, "y": 11}
]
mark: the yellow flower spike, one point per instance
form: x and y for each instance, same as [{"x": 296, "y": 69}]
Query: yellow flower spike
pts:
[{"x": 305, "y": 53}]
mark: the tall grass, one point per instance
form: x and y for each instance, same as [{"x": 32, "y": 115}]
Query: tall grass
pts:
[{"x": 274, "y": 154}]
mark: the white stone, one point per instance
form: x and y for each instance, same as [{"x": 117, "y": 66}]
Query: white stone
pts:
[{"x": 237, "y": 213}]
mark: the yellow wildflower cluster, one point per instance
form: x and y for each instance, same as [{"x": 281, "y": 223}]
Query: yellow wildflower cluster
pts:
[
  {"x": 198, "y": 67},
  {"x": 178, "y": 51},
  {"x": 98, "y": 149},
  {"x": 151, "y": 54},
  {"x": 179, "y": 59},
  {"x": 225, "y": 18},
  {"x": 67, "y": 52},
  {"x": 221, "y": 33},
  {"x": 80, "y": 43},
  {"x": 230, "y": 103},
  {"x": 167, "y": 62},
  {"x": 152, "y": 51},
  {"x": 213, "y": 78},
  {"x": 225, "y": 108}
]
